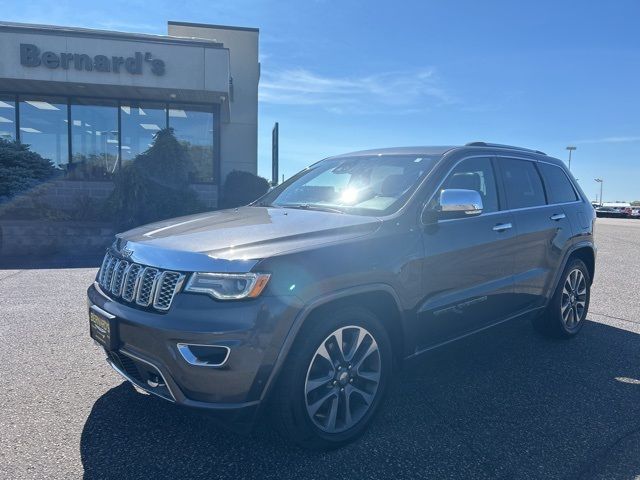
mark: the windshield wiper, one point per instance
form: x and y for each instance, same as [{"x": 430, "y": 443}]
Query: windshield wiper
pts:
[{"x": 310, "y": 206}]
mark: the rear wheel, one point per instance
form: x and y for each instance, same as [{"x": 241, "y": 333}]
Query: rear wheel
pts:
[
  {"x": 568, "y": 308},
  {"x": 334, "y": 379}
]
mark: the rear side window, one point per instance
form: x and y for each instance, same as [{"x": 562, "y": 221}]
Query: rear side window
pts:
[
  {"x": 559, "y": 188},
  {"x": 522, "y": 183}
]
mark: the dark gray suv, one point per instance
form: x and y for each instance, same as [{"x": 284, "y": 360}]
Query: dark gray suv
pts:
[{"x": 304, "y": 302}]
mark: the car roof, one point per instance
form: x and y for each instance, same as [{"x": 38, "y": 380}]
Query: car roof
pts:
[
  {"x": 425, "y": 150},
  {"x": 491, "y": 148}
]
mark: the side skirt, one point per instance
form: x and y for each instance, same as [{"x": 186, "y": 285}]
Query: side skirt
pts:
[{"x": 520, "y": 315}]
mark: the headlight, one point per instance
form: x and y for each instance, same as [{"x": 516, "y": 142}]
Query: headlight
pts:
[{"x": 228, "y": 286}]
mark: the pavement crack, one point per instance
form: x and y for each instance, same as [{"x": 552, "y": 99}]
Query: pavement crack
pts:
[
  {"x": 614, "y": 317},
  {"x": 589, "y": 467}
]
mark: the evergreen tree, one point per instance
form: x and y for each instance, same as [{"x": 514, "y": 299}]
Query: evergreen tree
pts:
[
  {"x": 155, "y": 185},
  {"x": 22, "y": 169}
]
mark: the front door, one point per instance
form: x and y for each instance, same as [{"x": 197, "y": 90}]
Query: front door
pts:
[{"x": 468, "y": 264}]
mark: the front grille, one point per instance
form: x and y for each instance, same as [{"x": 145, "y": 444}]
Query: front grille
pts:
[{"x": 139, "y": 284}]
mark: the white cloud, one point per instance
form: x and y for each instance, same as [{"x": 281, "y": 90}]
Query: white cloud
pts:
[
  {"x": 408, "y": 90},
  {"x": 611, "y": 140}
]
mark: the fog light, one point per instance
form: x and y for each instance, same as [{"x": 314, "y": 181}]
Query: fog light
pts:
[{"x": 204, "y": 355}]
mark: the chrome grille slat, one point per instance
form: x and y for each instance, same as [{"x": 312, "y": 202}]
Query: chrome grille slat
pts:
[
  {"x": 140, "y": 284},
  {"x": 130, "y": 284},
  {"x": 118, "y": 276},
  {"x": 108, "y": 274},
  {"x": 103, "y": 267},
  {"x": 147, "y": 284},
  {"x": 168, "y": 284}
]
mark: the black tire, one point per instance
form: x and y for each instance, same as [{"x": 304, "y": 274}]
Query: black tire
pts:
[
  {"x": 551, "y": 322},
  {"x": 289, "y": 399}
]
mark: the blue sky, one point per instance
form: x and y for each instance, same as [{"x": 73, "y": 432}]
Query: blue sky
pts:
[{"x": 352, "y": 74}]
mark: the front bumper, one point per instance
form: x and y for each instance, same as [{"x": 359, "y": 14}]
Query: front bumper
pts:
[{"x": 254, "y": 332}]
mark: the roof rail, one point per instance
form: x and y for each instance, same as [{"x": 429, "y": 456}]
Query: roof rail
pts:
[{"x": 499, "y": 145}]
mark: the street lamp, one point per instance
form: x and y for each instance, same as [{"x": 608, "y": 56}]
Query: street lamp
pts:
[
  {"x": 571, "y": 149},
  {"x": 600, "y": 181}
]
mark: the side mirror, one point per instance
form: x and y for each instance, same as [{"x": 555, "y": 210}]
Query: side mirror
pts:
[
  {"x": 453, "y": 203},
  {"x": 454, "y": 200}
]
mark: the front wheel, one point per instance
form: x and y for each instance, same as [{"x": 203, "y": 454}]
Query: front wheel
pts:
[
  {"x": 334, "y": 379},
  {"x": 568, "y": 308}
]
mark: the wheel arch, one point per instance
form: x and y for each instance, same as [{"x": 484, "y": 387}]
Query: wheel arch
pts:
[
  {"x": 586, "y": 252},
  {"x": 587, "y": 255},
  {"x": 381, "y": 299}
]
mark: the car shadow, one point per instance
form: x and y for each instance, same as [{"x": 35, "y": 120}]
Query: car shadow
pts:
[{"x": 502, "y": 404}]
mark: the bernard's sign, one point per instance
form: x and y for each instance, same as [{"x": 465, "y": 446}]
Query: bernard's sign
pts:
[{"x": 31, "y": 56}]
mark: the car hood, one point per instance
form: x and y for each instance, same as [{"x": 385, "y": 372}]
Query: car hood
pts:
[{"x": 249, "y": 232}]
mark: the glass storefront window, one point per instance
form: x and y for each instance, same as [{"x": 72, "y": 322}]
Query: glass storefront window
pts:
[
  {"x": 7, "y": 118},
  {"x": 139, "y": 123},
  {"x": 46, "y": 123},
  {"x": 193, "y": 127},
  {"x": 43, "y": 126},
  {"x": 94, "y": 139}
]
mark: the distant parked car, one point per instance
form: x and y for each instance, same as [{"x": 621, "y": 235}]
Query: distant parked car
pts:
[
  {"x": 609, "y": 212},
  {"x": 635, "y": 212}
]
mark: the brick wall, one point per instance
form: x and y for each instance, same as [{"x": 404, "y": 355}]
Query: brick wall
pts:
[
  {"x": 42, "y": 238},
  {"x": 65, "y": 194}
]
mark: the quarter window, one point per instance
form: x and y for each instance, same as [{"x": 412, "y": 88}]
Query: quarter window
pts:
[
  {"x": 475, "y": 174},
  {"x": 522, "y": 183},
  {"x": 559, "y": 188}
]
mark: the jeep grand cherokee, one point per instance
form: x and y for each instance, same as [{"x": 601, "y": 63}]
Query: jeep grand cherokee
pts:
[{"x": 304, "y": 302}]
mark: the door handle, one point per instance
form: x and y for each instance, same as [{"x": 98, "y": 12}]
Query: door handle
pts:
[
  {"x": 501, "y": 227},
  {"x": 557, "y": 216}
]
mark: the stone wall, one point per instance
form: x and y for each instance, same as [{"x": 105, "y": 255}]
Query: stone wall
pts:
[
  {"x": 21, "y": 238},
  {"x": 52, "y": 237},
  {"x": 65, "y": 194}
]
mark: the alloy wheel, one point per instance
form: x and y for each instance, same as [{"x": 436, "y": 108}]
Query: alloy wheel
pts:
[
  {"x": 574, "y": 299},
  {"x": 342, "y": 379}
]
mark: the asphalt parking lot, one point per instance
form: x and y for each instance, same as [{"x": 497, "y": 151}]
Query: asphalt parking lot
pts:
[{"x": 503, "y": 404}]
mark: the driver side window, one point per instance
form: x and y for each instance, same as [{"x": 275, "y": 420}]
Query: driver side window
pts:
[{"x": 475, "y": 174}]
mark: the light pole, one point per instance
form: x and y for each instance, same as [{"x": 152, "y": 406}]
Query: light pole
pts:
[
  {"x": 600, "y": 181},
  {"x": 571, "y": 148}
]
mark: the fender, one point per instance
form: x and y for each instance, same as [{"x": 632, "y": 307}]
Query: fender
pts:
[
  {"x": 573, "y": 248},
  {"x": 304, "y": 314}
]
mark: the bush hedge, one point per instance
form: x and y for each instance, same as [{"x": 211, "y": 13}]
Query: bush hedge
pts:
[{"x": 241, "y": 188}]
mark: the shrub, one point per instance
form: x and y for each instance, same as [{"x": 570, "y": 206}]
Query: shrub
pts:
[
  {"x": 21, "y": 169},
  {"x": 242, "y": 188},
  {"x": 154, "y": 186}
]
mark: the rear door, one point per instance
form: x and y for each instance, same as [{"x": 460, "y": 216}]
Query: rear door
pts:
[
  {"x": 542, "y": 228},
  {"x": 468, "y": 262}
]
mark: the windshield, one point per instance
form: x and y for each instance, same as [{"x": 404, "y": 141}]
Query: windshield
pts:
[{"x": 364, "y": 185}]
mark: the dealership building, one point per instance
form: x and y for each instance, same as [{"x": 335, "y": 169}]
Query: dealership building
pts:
[{"x": 91, "y": 100}]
